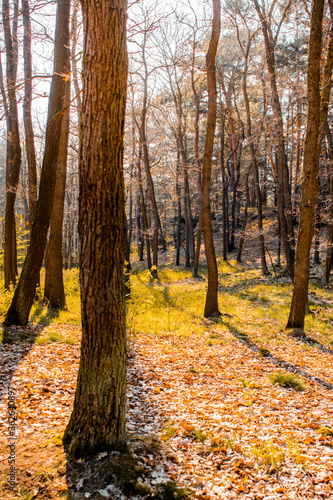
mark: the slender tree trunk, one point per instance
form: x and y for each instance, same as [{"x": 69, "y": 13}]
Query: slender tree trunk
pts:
[
  {"x": 146, "y": 223},
  {"x": 211, "y": 305},
  {"x": 329, "y": 252},
  {"x": 282, "y": 170},
  {"x": 278, "y": 257},
  {"x": 150, "y": 184},
  {"x": 54, "y": 290},
  {"x": 247, "y": 199},
  {"x": 19, "y": 310},
  {"x": 74, "y": 37},
  {"x": 298, "y": 127},
  {"x": 264, "y": 268},
  {"x": 225, "y": 219},
  {"x": 188, "y": 222},
  {"x": 139, "y": 217},
  {"x": 234, "y": 176},
  {"x": 29, "y": 133},
  {"x": 198, "y": 166},
  {"x": 316, "y": 256},
  {"x": 316, "y": 119},
  {"x": 13, "y": 166},
  {"x": 179, "y": 212},
  {"x": 97, "y": 422}
]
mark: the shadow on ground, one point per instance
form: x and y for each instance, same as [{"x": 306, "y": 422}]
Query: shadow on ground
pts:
[{"x": 243, "y": 337}]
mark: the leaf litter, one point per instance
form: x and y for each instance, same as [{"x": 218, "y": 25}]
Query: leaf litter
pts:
[{"x": 204, "y": 419}]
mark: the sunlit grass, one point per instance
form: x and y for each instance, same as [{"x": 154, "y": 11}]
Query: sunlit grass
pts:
[{"x": 251, "y": 305}]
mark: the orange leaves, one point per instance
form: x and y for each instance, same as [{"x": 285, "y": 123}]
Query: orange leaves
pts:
[{"x": 203, "y": 393}]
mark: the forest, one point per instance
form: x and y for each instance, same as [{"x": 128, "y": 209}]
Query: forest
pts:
[{"x": 166, "y": 206}]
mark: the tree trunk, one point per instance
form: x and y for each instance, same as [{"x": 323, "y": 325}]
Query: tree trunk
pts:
[
  {"x": 264, "y": 268},
  {"x": 316, "y": 256},
  {"x": 329, "y": 252},
  {"x": 225, "y": 186},
  {"x": 29, "y": 133},
  {"x": 234, "y": 176},
  {"x": 179, "y": 211},
  {"x": 97, "y": 422},
  {"x": 74, "y": 37},
  {"x": 54, "y": 290},
  {"x": 198, "y": 166},
  {"x": 211, "y": 305},
  {"x": 247, "y": 199},
  {"x": 151, "y": 190},
  {"x": 282, "y": 170},
  {"x": 316, "y": 119},
  {"x": 19, "y": 310},
  {"x": 13, "y": 166}
]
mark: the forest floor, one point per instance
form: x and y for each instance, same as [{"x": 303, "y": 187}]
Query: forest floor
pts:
[{"x": 232, "y": 408}]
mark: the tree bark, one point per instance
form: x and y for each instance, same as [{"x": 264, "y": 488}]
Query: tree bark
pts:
[
  {"x": 97, "y": 422},
  {"x": 211, "y": 304},
  {"x": 316, "y": 119},
  {"x": 19, "y": 310},
  {"x": 29, "y": 133},
  {"x": 247, "y": 199},
  {"x": 329, "y": 252},
  {"x": 140, "y": 202},
  {"x": 246, "y": 52},
  {"x": 74, "y": 37},
  {"x": 13, "y": 161},
  {"x": 54, "y": 290},
  {"x": 284, "y": 200},
  {"x": 179, "y": 211}
]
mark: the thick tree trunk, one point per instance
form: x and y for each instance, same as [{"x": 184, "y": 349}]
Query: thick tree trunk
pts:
[
  {"x": 54, "y": 290},
  {"x": 316, "y": 119},
  {"x": 98, "y": 419},
  {"x": 211, "y": 304},
  {"x": 19, "y": 310}
]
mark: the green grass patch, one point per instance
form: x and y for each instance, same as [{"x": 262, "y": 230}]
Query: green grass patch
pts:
[{"x": 287, "y": 380}]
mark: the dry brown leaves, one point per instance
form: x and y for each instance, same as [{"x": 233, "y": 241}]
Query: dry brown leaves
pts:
[{"x": 225, "y": 430}]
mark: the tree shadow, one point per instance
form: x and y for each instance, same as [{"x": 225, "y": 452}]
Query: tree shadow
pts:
[
  {"x": 314, "y": 342},
  {"x": 16, "y": 343},
  {"x": 44, "y": 316},
  {"x": 138, "y": 471},
  {"x": 243, "y": 337}
]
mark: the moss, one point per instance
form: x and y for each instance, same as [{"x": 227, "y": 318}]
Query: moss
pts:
[
  {"x": 265, "y": 353},
  {"x": 170, "y": 491},
  {"x": 325, "y": 431}
]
